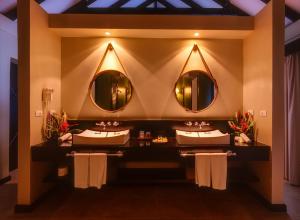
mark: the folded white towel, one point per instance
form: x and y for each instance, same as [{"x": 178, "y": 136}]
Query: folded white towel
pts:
[
  {"x": 219, "y": 170},
  {"x": 81, "y": 170},
  {"x": 203, "y": 169},
  {"x": 98, "y": 169}
]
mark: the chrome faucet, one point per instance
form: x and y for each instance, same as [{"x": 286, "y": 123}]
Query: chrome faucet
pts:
[{"x": 203, "y": 123}]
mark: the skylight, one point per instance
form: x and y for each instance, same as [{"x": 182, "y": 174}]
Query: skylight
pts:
[
  {"x": 102, "y": 4},
  {"x": 178, "y": 4},
  {"x": 207, "y": 3},
  {"x": 251, "y": 7},
  {"x": 158, "y": 5},
  {"x": 133, "y": 3}
]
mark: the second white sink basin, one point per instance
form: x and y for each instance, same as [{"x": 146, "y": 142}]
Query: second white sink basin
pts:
[
  {"x": 89, "y": 137},
  {"x": 208, "y": 137}
]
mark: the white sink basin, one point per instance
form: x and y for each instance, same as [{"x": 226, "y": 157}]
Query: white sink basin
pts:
[
  {"x": 208, "y": 137},
  {"x": 89, "y": 137}
]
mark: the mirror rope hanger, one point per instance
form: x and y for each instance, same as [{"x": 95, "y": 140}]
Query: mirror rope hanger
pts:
[
  {"x": 108, "y": 49},
  {"x": 197, "y": 49}
]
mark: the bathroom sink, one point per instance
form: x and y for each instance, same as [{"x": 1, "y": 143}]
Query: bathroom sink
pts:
[
  {"x": 89, "y": 137},
  {"x": 209, "y": 137}
]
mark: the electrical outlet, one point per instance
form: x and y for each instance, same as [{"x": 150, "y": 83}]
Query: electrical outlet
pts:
[
  {"x": 263, "y": 113},
  {"x": 38, "y": 113}
]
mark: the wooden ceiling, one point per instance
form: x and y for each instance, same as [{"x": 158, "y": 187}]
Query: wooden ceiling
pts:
[{"x": 192, "y": 7}]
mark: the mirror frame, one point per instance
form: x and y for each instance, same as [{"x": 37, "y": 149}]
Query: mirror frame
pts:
[
  {"x": 91, "y": 86},
  {"x": 216, "y": 89}
]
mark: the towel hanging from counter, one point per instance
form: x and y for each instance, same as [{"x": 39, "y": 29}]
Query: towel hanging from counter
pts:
[
  {"x": 219, "y": 170},
  {"x": 203, "y": 169},
  {"x": 98, "y": 170},
  {"x": 81, "y": 170},
  {"x": 211, "y": 170}
]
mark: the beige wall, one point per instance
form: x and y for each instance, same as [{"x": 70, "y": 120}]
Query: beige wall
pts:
[
  {"x": 153, "y": 66},
  {"x": 257, "y": 94},
  {"x": 44, "y": 72},
  {"x": 258, "y": 90},
  {"x": 9, "y": 49},
  {"x": 263, "y": 65}
]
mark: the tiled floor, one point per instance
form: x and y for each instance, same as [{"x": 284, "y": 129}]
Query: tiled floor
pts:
[{"x": 148, "y": 202}]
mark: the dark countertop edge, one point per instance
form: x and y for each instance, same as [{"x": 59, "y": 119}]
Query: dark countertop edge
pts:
[
  {"x": 172, "y": 144},
  {"x": 151, "y": 119}
]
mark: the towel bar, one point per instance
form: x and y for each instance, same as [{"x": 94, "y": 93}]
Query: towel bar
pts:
[
  {"x": 118, "y": 154},
  {"x": 229, "y": 154}
]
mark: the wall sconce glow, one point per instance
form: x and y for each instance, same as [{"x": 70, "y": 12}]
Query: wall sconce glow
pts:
[
  {"x": 177, "y": 90},
  {"x": 196, "y": 34},
  {"x": 107, "y": 33}
]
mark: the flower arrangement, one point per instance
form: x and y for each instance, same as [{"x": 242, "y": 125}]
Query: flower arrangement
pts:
[
  {"x": 56, "y": 126},
  {"x": 243, "y": 124}
]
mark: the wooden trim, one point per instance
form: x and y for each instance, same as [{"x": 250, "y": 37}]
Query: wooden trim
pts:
[
  {"x": 271, "y": 206},
  {"x": 175, "y": 22},
  {"x": 23, "y": 208},
  {"x": 5, "y": 180},
  {"x": 24, "y": 102},
  {"x": 19, "y": 208},
  {"x": 292, "y": 47}
]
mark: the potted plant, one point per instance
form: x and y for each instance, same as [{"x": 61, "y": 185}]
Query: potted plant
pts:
[{"x": 243, "y": 127}]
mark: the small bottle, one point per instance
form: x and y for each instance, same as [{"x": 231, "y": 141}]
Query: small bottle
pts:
[
  {"x": 148, "y": 134},
  {"x": 142, "y": 134}
]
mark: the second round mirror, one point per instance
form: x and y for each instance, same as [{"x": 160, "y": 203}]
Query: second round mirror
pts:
[{"x": 195, "y": 90}]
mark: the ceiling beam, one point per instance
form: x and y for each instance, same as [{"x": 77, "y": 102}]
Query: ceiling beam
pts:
[
  {"x": 161, "y": 21},
  {"x": 13, "y": 13},
  {"x": 80, "y": 6},
  {"x": 119, "y": 3},
  {"x": 191, "y": 3},
  {"x": 142, "y": 9},
  {"x": 145, "y": 4},
  {"x": 39, "y": 1},
  {"x": 229, "y": 8},
  {"x": 167, "y": 4},
  {"x": 289, "y": 12}
]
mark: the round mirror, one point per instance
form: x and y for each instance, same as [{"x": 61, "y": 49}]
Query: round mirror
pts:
[
  {"x": 111, "y": 90},
  {"x": 195, "y": 90}
]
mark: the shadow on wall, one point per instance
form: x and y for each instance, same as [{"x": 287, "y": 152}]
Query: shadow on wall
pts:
[{"x": 153, "y": 66}]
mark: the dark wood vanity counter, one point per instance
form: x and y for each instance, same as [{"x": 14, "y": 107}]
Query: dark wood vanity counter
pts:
[
  {"x": 136, "y": 149},
  {"x": 140, "y": 150}
]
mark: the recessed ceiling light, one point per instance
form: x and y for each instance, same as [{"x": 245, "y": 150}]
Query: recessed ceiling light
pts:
[
  {"x": 196, "y": 34},
  {"x": 107, "y": 33}
]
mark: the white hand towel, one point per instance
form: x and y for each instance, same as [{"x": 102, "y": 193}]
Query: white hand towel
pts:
[
  {"x": 219, "y": 170},
  {"x": 203, "y": 169},
  {"x": 98, "y": 169},
  {"x": 81, "y": 170}
]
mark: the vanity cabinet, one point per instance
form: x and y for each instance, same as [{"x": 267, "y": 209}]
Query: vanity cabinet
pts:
[{"x": 145, "y": 160}]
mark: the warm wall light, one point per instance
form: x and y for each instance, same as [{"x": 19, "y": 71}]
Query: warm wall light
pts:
[
  {"x": 196, "y": 34},
  {"x": 107, "y": 33}
]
